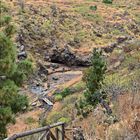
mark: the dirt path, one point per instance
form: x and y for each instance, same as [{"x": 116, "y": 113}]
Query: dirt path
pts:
[{"x": 25, "y": 122}]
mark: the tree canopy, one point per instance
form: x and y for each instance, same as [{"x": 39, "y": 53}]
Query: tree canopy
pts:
[{"x": 10, "y": 101}]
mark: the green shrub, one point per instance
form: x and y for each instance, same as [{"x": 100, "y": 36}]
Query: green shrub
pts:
[
  {"x": 23, "y": 70},
  {"x": 94, "y": 8},
  {"x": 63, "y": 94},
  {"x": 19, "y": 77},
  {"x": 83, "y": 108},
  {"x": 5, "y": 118},
  {"x": 26, "y": 67},
  {"x": 65, "y": 120},
  {"x": 58, "y": 97},
  {"x": 7, "y": 56},
  {"x": 10, "y": 97},
  {"x": 8, "y": 91},
  {"x": 5, "y": 20},
  {"x": 19, "y": 103},
  {"x": 108, "y": 1}
]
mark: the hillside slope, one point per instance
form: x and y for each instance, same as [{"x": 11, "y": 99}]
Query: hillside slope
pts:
[{"x": 58, "y": 36}]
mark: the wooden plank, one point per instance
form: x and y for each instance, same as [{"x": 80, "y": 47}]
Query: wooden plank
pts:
[{"x": 47, "y": 101}]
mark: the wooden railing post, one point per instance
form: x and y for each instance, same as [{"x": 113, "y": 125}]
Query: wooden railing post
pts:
[
  {"x": 48, "y": 135},
  {"x": 63, "y": 131},
  {"x": 57, "y": 133},
  {"x": 47, "y": 132}
]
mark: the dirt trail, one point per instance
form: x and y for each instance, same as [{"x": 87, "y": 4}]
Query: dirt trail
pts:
[{"x": 22, "y": 123}]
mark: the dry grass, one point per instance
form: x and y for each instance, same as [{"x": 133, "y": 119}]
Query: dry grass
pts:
[{"x": 96, "y": 125}]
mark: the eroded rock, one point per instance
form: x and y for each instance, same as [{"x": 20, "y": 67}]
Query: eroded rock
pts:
[{"x": 66, "y": 56}]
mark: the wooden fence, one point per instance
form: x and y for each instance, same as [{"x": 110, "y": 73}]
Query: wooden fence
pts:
[{"x": 52, "y": 132}]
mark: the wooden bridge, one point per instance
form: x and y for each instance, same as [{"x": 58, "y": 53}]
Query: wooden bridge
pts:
[{"x": 52, "y": 132}]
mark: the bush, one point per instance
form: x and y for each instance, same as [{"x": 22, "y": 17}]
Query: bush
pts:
[
  {"x": 19, "y": 77},
  {"x": 7, "y": 56},
  {"x": 8, "y": 91},
  {"x": 26, "y": 67},
  {"x": 54, "y": 117},
  {"x": 5, "y": 118},
  {"x": 63, "y": 119},
  {"x": 63, "y": 94},
  {"x": 94, "y": 8},
  {"x": 23, "y": 70},
  {"x": 83, "y": 108},
  {"x": 58, "y": 97},
  {"x": 108, "y": 1},
  {"x": 19, "y": 103}
]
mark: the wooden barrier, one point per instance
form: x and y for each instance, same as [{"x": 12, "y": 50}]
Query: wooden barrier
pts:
[{"x": 47, "y": 133}]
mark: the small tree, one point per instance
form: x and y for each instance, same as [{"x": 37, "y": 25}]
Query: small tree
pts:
[{"x": 93, "y": 78}]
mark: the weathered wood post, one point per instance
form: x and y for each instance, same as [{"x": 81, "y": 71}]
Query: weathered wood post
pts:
[
  {"x": 63, "y": 131},
  {"x": 57, "y": 133},
  {"x": 48, "y": 135}
]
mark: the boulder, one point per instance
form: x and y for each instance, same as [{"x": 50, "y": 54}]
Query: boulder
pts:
[
  {"x": 110, "y": 47},
  {"x": 42, "y": 69},
  {"x": 121, "y": 39},
  {"x": 22, "y": 48},
  {"x": 55, "y": 78},
  {"x": 22, "y": 55},
  {"x": 54, "y": 65}
]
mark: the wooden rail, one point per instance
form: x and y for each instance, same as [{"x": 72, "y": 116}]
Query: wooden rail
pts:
[{"x": 47, "y": 133}]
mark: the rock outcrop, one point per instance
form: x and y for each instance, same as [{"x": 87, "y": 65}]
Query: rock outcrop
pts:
[{"x": 66, "y": 56}]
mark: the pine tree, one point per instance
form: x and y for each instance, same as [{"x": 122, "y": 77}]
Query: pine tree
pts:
[
  {"x": 10, "y": 101},
  {"x": 93, "y": 78}
]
